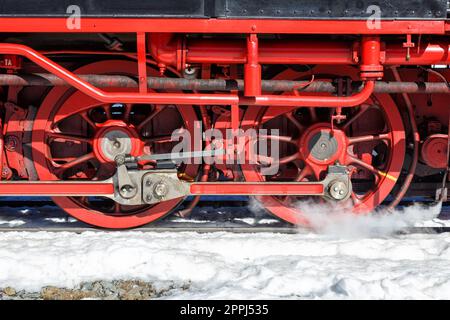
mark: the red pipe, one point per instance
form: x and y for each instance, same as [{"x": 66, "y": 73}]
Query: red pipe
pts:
[
  {"x": 113, "y": 97},
  {"x": 371, "y": 67},
  {"x": 252, "y": 69},
  {"x": 312, "y": 101},
  {"x": 425, "y": 54},
  {"x": 183, "y": 98},
  {"x": 198, "y": 51}
]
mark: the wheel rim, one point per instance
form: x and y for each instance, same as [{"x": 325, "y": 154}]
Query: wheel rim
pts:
[
  {"x": 95, "y": 134},
  {"x": 376, "y": 151}
]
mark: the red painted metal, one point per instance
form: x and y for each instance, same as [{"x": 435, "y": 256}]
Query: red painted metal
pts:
[
  {"x": 200, "y": 51},
  {"x": 114, "y": 25},
  {"x": 312, "y": 101},
  {"x": 11, "y": 63},
  {"x": 270, "y": 52},
  {"x": 416, "y": 140},
  {"x": 236, "y": 189},
  {"x": 183, "y": 98},
  {"x": 14, "y": 130},
  {"x": 371, "y": 67},
  {"x": 434, "y": 151},
  {"x": 168, "y": 41},
  {"x": 62, "y": 105},
  {"x": 142, "y": 62},
  {"x": 137, "y": 145},
  {"x": 49, "y": 189},
  {"x": 352, "y": 151},
  {"x": 1, "y": 149},
  {"x": 156, "y": 83},
  {"x": 112, "y": 97},
  {"x": 252, "y": 69}
]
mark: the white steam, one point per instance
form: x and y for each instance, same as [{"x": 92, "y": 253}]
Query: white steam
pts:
[
  {"x": 333, "y": 220},
  {"x": 342, "y": 222}
]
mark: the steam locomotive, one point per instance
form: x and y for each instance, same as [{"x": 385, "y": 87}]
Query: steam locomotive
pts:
[{"x": 115, "y": 109}]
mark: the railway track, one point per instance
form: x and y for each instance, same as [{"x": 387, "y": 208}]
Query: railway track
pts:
[
  {"x": 238, "y": 230},
  {"x": 41, "y": 215}
]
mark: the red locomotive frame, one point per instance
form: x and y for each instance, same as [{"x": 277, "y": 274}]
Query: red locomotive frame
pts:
[{"x": 363, "y": 55}]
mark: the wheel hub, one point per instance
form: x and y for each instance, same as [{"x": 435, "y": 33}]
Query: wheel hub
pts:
[
  {"x": 115, "y": 138},
  {"x": 321, "y": 145}
]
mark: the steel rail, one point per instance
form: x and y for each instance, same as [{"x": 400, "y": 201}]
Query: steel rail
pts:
[{"x": 202, "y": 230}]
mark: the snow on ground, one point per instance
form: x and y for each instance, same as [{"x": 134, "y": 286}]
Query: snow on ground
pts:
[
  {"x": 368, "y": 259},
  {"x": 234, "y": 266}
]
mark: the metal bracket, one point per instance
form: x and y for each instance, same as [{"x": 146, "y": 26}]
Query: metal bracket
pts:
[
  {"x": 163, "y": 185},
  {"x": 338, "y": 185}
]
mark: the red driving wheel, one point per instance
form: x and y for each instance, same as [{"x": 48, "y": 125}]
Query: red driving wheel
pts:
[
  {"x": 370, "y": 143},
  {"x": 77, "y": 138}
]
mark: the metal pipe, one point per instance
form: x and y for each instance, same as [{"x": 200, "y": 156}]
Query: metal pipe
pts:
[
  {"x": 220, "y": 51},
  {"x": 252, "y": 69},
  {"x": 160, "y": 83},
  {"x": 312, "y": 101},
  {"x": 113, "y": 97},
  {"x": 183, "y": 98}
]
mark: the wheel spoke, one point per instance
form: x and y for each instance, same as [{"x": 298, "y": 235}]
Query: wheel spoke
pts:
[
  {"x": 63, "y": 159},
  {"x": 279, "y": 138},
  {"x": 353, "y": 160},
  {"x": 296, "y": 123},
  {"x": 358, "y": 115},
  {"x": 267, "y": 160},
  {"x": 290, "y": 158},
  {"x": 369, "y": 138},
  {"x": 84, "y": 200},
  {"x": 355, "y": 199},
  {"x": 69, "y": 137},
  {"x": 117, "y": 207},
  {"x": 104, "y": 171},
  {"x": 150, "y": 117},
  {"x": 313, "y": 113},
  {"x": 88, "y": 120},
  {"x": 127, "y": 112},
  {"x": 108, "y": 112},
  {"x": 73, "y": 163},
  {"x": 306, "y": 171},
  {"x": 158, "y": 140}
]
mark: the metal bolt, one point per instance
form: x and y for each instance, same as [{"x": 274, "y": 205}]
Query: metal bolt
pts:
[
  {"x": 126, "y": 188},
  {"x": 338, "y": 190},
  {"x": 161, "y": 190},
  {"x": 120, "y": 159},
  {"x": 190, "y": 71}
]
